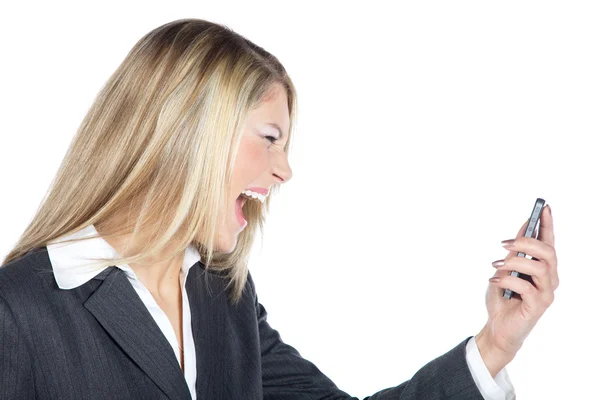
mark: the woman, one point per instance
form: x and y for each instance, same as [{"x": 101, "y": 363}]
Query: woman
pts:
[{"x": 166, "y": 181}]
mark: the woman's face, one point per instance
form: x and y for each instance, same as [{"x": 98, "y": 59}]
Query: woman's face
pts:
[{"x": 260, "y": 163}]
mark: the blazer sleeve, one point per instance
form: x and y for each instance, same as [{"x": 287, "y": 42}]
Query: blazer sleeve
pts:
[
  {"x": 286, "y": 375},
  {"x": 16, "y": 376}
]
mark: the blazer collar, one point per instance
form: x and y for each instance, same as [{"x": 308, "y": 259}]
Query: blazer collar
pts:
[
  {"x": 123, "y": 315},
  {"x": 120, "y": 311},
  {"x": 69, "y": 259}
]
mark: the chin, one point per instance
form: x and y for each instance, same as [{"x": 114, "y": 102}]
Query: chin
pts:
[
  {"x": 226, "y": 249},
  {"x": 226, "y": 245},
  {"x": 222, "y": 245}
]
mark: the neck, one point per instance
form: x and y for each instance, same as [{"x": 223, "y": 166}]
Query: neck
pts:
[{"x": 161, "y": 277}]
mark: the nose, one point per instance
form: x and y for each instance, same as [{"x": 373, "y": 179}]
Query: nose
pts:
[{"x": 281, "y": 168}]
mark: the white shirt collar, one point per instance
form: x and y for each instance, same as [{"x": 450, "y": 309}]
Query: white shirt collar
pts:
[{"x": 69, "y": 259}]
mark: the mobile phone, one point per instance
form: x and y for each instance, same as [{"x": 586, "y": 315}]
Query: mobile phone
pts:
[{"x": 531, "y": 225}]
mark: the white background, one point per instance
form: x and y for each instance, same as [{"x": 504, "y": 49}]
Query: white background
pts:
[{"x": 426, "y": 131}]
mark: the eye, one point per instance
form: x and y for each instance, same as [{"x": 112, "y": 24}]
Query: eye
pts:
[{"x": 271, "y": 139}]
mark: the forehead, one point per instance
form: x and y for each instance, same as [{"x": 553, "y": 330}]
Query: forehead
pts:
[{"x": 273, "y": 113}]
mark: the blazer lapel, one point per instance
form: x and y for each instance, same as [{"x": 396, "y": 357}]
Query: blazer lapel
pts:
[
  {"x": 214, "y": 336},
  {"x": 121, "y": 312}
]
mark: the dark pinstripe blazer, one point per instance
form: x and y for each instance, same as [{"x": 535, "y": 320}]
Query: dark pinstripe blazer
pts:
[{"x": 99, "y": 341}]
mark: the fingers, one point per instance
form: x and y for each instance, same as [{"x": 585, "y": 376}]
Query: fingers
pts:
[
  {"x": 540, "y": 249},
  {"x": 534, "y": 248},
  {"x": 534, "y": 300},
  {"x": 542, "y": 252},
  {"x": 538, "y": 270},
  {"x": 546, "y": 227}
]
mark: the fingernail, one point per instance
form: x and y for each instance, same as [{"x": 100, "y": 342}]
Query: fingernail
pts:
[
  {"x": 498, "y": 263},
  {"x": 494, "y": 279},
  {"x": 508, "y": 243},
  {"x": 549, "y": 209}
]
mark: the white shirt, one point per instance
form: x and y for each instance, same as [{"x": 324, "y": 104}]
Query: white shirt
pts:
[{"x": 68, "y": 264}]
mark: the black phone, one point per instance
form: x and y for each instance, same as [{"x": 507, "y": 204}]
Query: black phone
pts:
[{"x": 531, "y": 225}]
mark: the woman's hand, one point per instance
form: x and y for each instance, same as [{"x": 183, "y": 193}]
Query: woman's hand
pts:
[{"x": 511, "y": 321}]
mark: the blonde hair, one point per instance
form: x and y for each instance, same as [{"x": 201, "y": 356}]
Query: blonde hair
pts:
[{"x": 159, "y": 143}]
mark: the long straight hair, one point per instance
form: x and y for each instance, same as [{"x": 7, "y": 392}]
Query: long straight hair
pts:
[{"x": 159, "y": 143}]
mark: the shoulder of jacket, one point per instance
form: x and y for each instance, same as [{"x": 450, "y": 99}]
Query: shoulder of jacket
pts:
[{"x": 24, "y": 271}]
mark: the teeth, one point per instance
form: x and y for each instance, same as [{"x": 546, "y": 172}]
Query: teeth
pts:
[{"x": 254, "y": 195}]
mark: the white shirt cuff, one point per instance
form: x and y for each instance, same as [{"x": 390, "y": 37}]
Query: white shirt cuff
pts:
[{"x": 498, "y": 388}]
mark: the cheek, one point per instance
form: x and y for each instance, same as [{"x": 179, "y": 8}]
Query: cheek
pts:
[{"x": 251, "y": 162}]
